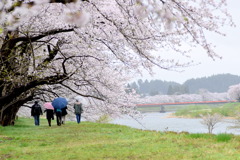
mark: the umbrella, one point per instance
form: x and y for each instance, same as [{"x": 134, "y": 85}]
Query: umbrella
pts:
[
  {"x": 48, "y": 105},
  {"x": 59, "y": 103}
]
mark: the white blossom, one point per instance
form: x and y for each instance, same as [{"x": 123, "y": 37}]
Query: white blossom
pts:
[{"x": 100, "y": 45}]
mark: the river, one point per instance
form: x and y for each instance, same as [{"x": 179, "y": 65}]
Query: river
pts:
[{"x": 162, "y": 122}]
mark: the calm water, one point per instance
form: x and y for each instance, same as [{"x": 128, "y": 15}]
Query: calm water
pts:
[{"x": 160, "y": 122}]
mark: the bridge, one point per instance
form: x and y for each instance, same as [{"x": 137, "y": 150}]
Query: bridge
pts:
[{"x": 162, "y": 109}]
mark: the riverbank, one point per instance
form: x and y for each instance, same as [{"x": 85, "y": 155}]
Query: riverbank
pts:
[
  {"x": 159, "y": 122},
  {"x": 108, "y": 141},
  {"x": 172, "y": 115},
  {"x": 227, "y": 110}
]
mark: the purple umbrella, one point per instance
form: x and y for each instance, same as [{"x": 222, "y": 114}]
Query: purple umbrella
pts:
[{"x": 59, "y": 103}]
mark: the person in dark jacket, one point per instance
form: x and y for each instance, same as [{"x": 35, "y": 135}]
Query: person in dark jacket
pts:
[
  {"x": 58, "y": 113},
  {"x": 78, "y": 110},
  {"x": 36, "y": 111},
  {"x": 49, "y": 116},
  {"x": 64, "y": 113}
]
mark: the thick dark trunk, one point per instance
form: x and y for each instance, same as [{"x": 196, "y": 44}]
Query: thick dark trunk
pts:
[{"x": 8, "y": 114}]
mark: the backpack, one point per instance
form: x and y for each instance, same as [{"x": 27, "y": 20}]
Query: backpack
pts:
[{"x": 58, "y": 110}]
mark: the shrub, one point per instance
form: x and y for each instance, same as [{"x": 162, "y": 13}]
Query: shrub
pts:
[
  {"x": 223, "y": 137},
  {"x": 210, "y": 121},
  {"x": 103, "y": 119},
  {"x": 199, "y": 135}
]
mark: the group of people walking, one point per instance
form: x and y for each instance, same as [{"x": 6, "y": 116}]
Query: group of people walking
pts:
[{"x": 36, "y": 111}]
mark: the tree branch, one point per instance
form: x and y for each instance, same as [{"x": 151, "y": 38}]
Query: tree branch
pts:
[
  {"x": 81, "y": 94},
  {"x": 44, "y": 34}
]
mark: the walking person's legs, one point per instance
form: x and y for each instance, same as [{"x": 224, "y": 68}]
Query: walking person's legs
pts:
[
  {"x": 58, "y": 120},
  {"x": 77, "y": 117},
  {"x": 49, "y": 122},
  {"x": 35, "y": 120},
  {"x": 38, "y": 120},
  {"x": 63, "y": 119}
]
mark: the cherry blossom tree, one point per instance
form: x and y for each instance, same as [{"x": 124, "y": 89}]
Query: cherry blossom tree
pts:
[
  {"x": 52, "y": 48},
  {"x": 183, "y": 98},
  {"x": 234, "y": 92}
]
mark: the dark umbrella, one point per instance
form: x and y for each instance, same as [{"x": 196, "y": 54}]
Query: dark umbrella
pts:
[{"x": 59, "y": 103}]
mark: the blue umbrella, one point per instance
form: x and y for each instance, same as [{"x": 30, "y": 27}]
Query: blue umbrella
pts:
[{"x": 59, "y": 103}]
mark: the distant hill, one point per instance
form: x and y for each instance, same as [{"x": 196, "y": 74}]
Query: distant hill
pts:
[{"x": 215, "y": 83}]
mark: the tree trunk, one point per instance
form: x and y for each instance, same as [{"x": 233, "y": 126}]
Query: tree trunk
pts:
[{"x": 9, "y": 115}]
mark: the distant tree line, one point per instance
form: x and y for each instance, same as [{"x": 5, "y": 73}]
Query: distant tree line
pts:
[{"x": 215, "y": 83}]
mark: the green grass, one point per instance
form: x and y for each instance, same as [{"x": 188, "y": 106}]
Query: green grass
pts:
[
  {"x": 200, "y": 136},
  {"x": 223, "y": 137},
  {"x": 194, "y": 111},
  {"x": 97, "y": 141}
]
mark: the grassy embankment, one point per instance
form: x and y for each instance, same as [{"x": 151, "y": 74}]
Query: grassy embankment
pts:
[
  {"x": 226, "y": 110},
  {"x": 194, "y": 111},
  {"x": 24, "y": 141}
]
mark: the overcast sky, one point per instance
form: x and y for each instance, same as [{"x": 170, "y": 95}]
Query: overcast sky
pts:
[{"x": 227, "y": 47}]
